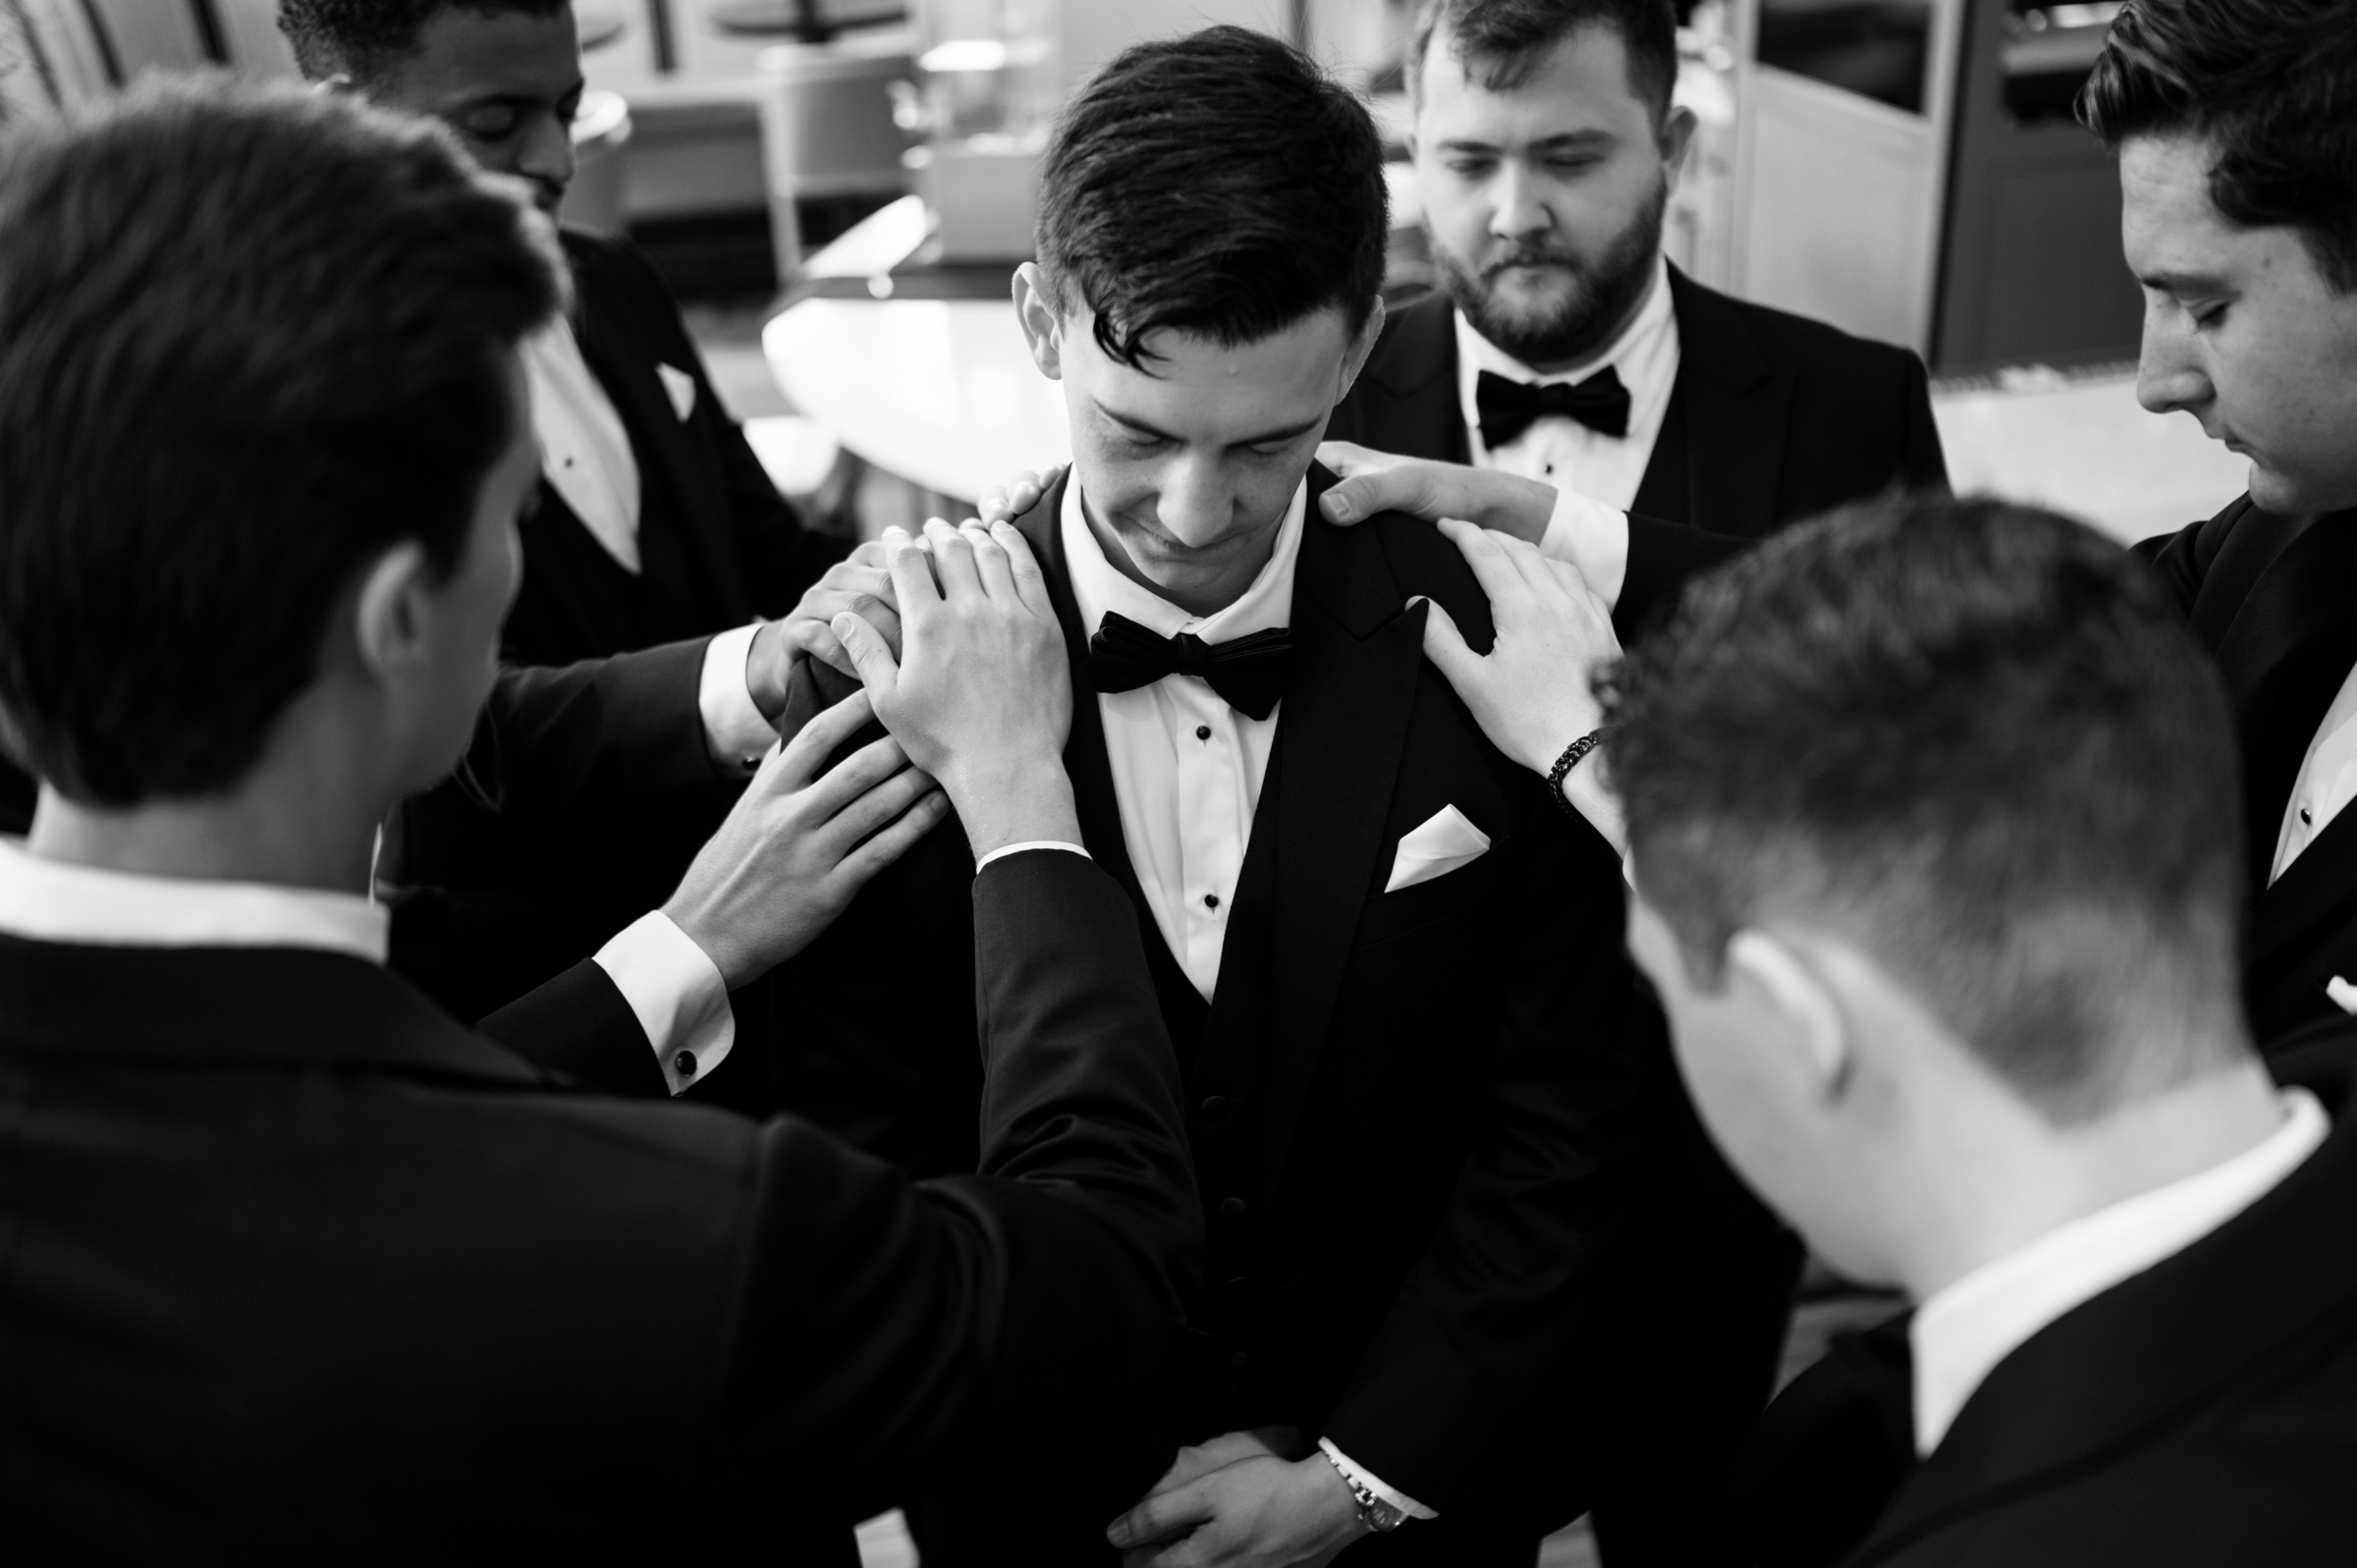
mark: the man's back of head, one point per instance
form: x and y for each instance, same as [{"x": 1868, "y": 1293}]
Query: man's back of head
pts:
[
  {"x": 251, "y": 343},
  {"x": 2237, "y": 125},
  {"x": 1943, "y": 796}
]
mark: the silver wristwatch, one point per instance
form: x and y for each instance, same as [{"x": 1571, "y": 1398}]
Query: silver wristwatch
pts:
[{"x": 1377, "y": 1515}]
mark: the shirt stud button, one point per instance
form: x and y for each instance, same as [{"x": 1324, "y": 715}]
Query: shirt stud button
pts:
[
  {"x": 2305, "y": 817},
  {"x": 1202, "y": 731},
  {"x": 1211, "y": 900},
  {"x": 685, "y": 1062}
]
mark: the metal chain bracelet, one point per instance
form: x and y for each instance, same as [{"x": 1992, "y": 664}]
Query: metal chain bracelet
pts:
[{"x": 1569, "y": 760}]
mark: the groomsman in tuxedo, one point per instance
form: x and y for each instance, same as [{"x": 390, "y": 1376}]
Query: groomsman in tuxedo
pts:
[
  {"x": 2239, "y": 175},
  {"x": 297, "y": 1264},
  {"x": 652, "y": 521},
  {"x": 1562, "y": 344},
  {"x": 1389, "y": 959}
]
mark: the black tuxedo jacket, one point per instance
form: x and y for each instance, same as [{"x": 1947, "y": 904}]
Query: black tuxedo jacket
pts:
[
  {"x": 1773, "y": 418},
  {"x": 717, "y": 544},
  {"x": 2203, "y": 1412},
  {"x": 2268, "y": 597},
  {"x": 1405, "y": 1107},
  {"x": 298, "y": 1267},
  {"x": 501, "y": 893}
]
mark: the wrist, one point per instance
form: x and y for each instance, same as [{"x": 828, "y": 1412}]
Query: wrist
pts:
[
  {"x": 769, "y": 668},
  {"x": 1026, "y": 801},
  {"x": 1338, "y": 1500}
]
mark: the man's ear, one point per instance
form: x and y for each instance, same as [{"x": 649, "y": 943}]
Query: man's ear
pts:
[
  {"x": 1813, "y": 1023},
  {"x": 1677, "y": 134},
  {"x": 1360, "y": 347},
  {"x": 1041, "y": 321},
  {"x": 393, "y": 614}
]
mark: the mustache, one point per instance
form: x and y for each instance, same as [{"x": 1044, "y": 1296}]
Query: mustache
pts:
[{"x": 1530, "y": 256}]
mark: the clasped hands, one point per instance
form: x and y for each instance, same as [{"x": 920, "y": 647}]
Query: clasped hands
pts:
[
  {"x": 1246, "y": 1499},
  {"x": 967, "y": 672}
]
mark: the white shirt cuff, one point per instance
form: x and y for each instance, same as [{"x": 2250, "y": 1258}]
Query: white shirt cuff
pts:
[
  {"x": 1592, "y": 536},
  {"x": 675, "y": 990},
  {"x": 1374, "y": 1482},
  {"x": 733, "y": 726},
  {"x": 1006, "y": 849}
]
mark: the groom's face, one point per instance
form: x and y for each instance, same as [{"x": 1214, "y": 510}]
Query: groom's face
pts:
[{"x": 1189, "y": 466}]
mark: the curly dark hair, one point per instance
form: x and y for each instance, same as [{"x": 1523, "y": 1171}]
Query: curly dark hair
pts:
[
  {"x": 2271, "y": 83},
  {"x": 360, "y": 39}
]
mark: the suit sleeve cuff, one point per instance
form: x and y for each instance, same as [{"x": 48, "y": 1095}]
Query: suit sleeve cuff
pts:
[
  {"x": 1592, "y": 536},
  {"x": 1004, "y": 851},
  {"x": 675, "y": 989},
  {"x": 1374, "y": 1482},
  {"x": 733, "y": 726}
]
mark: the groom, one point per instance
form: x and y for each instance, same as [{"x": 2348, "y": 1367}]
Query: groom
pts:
[{"x": 1389, "y": 959}]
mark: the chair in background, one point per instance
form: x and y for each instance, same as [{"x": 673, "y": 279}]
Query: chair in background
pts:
[{"x": 827, "y": 128}]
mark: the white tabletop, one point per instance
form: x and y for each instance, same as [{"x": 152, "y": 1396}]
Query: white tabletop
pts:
[{"x": 939, "y": 392}]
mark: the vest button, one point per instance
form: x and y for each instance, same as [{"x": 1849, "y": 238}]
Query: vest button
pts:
[
  {"x": 1231, "y": 1208},
  {"x": 1216, "y": 1108}
]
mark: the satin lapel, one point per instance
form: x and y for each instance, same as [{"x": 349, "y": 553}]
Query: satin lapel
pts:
[
  {"x": 2284, "y": 652},
  {"x": 1736, "y": 406},
  {"x": 2303, "y": 603},
  {"x": 1084, "y": 757},
  {"x": 2106, "y": 1377},
  {"x": 1319, "y": 832},
  {"x": 625, "y": 367},
  {"x": 1406, "y": 397}
]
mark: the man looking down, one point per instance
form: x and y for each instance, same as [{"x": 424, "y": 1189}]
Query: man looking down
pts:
[
  {"x": 1389, "y": 963},
  {"x": 298, "y": 1266}
]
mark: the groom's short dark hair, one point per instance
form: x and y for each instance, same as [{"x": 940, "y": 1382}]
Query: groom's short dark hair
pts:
[
  {"x": 1978, "y": 739},
  {"x": 1218, "y": 184},
  {"x": 249, "y": 338}
]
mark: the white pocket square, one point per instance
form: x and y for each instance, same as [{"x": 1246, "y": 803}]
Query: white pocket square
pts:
[
  {"x": 1438, "y": 846},
  {"x": 681, "y": 387}
]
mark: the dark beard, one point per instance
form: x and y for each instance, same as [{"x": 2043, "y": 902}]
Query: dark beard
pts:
[{"x": 1608, "y": 291}]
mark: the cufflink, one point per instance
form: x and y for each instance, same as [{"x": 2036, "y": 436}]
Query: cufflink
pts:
[
  {"x": 2343, "y": 994},
  {"x": 684, "y": 1064}
]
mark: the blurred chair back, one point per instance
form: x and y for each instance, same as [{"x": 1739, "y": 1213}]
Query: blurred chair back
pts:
[
  {"x": 827, "y": 126},
  {"x": 250, "y": 43},
  {"x": 143, "y": 35}
]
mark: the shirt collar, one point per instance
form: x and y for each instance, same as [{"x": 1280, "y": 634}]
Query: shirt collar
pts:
[
  {"x": 1099, "y": 589},
  {"x": 1634, "y": 349},
  {"x": 1960, "y": 1334},
  {"x": 56, "y": 900}
]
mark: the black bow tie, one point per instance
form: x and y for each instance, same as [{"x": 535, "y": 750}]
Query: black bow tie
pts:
[
  {"x": 1248, "y": 674},
  {"x": 1510, "y": 407}
]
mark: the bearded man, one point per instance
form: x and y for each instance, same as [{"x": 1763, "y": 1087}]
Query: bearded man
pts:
[{"x": 1564, "y": 346}]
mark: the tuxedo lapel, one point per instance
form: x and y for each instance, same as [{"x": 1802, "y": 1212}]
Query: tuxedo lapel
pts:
[
  {"x": 1406, "y": 400},
  {"x": 1084, "y": 755},
  {"x": 1735, "y": 405},
  {"x": 2148, "y": 1354},
  {"x": 2285, "y": 650},
  {"x": 1318, "y": 837},
  {"x": 691, "y": 557}
]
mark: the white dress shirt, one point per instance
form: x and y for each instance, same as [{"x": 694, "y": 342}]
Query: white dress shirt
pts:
[
  {"x": 2328, "y": 779},
  {"x": 672, "y": 992},
  {"x": 1188, "y": 769},
  {"x": 585, "y": 450},
  {"x": 1559, "y": 450},
  {"x": 1961, "y": 1333}
]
